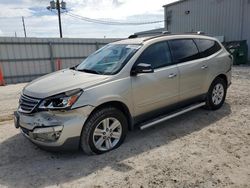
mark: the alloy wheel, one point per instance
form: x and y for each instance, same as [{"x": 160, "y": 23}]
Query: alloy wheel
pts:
[
  {"x": 218, "y": 94},
  {"x": 107, "y": 134}
]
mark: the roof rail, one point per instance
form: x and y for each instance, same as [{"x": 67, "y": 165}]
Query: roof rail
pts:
[
  {"x": 200, "y": 32},
  {"x": 133, "y": 36},
  {"x": 196, "y": 32},
  {"x": 153, "y": 35},
  {"x": 156, "y": 36},
  {"x": 166, "y": 32}
]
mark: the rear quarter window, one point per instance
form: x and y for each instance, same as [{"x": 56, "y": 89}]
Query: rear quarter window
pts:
[{"x": 207, "y": 47}]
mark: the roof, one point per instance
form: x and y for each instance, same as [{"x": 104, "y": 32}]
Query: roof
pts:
[
  {"x": 141, "y": 40},
  {"x": 176, "y": 2}
]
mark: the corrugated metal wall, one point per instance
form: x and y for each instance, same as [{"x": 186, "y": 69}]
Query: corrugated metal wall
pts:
[
  {"x": 246, "y": 24},
  {"x": 24, "y": 59},
  {"x": 228, "y": 18}
]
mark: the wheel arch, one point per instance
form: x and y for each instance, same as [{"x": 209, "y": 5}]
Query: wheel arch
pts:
[
  {"x": 209, "y": 104},
  {"x": 223, "y": 77},
  {"x": 213, "y": 78},
  {"x": 119, "y": 105}
]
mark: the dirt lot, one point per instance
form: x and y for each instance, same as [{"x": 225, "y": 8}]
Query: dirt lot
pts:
[
  {"x": 9, "y": 96},
  {"x": 198, "y": 149}
]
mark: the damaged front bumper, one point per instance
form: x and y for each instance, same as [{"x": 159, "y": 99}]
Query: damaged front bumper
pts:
[{"x": 53, "y": 130}]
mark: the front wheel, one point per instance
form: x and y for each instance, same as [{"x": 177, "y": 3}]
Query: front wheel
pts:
[
  {"x": 104, "y": 131},
  {"x": 216, "y": 94}
]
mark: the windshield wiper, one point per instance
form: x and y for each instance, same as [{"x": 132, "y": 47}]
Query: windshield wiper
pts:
[
  {"x": 89, "y": 71},
  {"x": 73, "y": 68}
]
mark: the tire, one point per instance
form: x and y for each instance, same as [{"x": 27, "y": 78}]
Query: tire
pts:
[
  {"x": 104, "y": 131},
  {"x": 216, "y": 94}
]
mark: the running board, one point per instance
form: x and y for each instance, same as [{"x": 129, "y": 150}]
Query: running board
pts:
[{"x": 170, "y": 116}]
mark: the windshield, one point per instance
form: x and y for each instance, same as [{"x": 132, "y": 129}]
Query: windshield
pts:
[{"x": 108, "y": 60}]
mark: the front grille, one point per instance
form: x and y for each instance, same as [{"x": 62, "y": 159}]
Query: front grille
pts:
[{"x": 27, "y": 104}]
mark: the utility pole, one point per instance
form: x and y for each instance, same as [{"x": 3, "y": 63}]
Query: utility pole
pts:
[
  {"x": 57, "y": 5},
  {"x": 59, "y": 16},
  {"x": 24, "y": 29}
]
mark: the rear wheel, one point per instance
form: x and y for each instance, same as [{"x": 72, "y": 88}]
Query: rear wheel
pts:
[
  {"x": 216, "y": 94},
  {"x": 104, "y": 131}
]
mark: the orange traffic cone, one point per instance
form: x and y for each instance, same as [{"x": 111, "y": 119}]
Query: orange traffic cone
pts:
[
  {"x": 2, "y": 82},
  {"x": 58, "y": 64}
]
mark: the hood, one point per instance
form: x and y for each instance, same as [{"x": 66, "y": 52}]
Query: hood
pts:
[{"x": 62, "y": 81}]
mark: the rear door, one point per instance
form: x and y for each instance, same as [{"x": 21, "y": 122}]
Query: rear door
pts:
[
  {"x": 152, "y": 91},
  {"x": 208, "y": 50},
  {"x": 191, "y": 67}
]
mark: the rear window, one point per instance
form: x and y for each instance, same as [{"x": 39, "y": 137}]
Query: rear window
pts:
[
  {"x": 183, "y": 50},
  {"x": 207, "y": 47}
]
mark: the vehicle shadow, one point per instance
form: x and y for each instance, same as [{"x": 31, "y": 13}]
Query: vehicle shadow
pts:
[{"x": 24, "y": 165}]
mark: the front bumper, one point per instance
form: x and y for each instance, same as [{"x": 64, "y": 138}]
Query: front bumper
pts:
[{"x": 67, "y": 126}]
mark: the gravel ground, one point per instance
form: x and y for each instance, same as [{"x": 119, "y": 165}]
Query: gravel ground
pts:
[
  {"x": 198, "y": 149},
  {"x": 9, "y": 96}
]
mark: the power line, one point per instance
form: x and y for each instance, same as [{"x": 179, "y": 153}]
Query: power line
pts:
[
  {"x": 98, "y": 21},
  {"x": 108, "y": 22}
]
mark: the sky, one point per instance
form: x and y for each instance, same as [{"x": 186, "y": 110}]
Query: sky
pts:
[{"x": 41, "y": 22}]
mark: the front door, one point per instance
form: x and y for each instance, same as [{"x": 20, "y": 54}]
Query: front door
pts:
[{"x": 152, "y": 91}]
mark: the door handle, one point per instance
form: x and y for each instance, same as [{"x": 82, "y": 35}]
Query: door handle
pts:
[
  {"x": 204, "y": 67},
  {"x": 172, "y": 75}
]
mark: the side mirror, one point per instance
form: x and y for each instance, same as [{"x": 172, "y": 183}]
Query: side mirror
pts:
[{"x": 142, "y": 68}]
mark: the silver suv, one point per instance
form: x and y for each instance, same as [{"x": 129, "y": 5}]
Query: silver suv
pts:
[{"x": 137, "y": 82}]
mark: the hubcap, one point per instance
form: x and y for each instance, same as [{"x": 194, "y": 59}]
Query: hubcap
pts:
[
  {"x": 107, "y": 134},
  {"x": 218, "y": 94}
]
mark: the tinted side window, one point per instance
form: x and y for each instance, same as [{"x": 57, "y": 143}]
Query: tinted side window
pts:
[
  {"x": 207, "y": 47},
  {"x": 183, "y": 50},
  {"x": 157, "y": 55}
]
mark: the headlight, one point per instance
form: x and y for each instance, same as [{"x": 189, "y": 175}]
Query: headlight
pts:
[{"x": 61, "y": 101}]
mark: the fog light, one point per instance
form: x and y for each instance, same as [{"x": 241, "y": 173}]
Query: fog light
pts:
[{"x": 48, "y": 134}]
